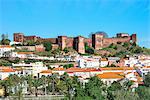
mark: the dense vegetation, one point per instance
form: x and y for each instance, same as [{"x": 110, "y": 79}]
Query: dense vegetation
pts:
[
  {"x": 48, "y": 46},
  {"x": 72, "y": 89},
  {"x": 4, "y": 40},
  {"x": 122, "y": 49},
  {"x": 88, "y": 49}
]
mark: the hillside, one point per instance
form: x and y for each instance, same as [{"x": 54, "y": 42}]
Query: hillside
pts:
[{"x": 122, "y": 49}]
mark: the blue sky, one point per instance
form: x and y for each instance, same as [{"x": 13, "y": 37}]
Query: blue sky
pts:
[{"x": 50, "y": 18}]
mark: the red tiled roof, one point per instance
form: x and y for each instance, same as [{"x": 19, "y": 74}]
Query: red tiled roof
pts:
[
  {"x": 6, "y": 69},
  {"x": 117, "y": 68},
  {"x": 5, "y": 46},
  {"x": 24, "y": 52},
  {"x": 46, "y": 71},
  {"x": 111, "y": 75}
]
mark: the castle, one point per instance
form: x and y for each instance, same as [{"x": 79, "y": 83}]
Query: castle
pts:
[{"x": 97, "y": 41}]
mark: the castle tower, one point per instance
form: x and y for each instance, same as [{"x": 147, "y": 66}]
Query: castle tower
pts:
[
  {"x": 79, "y": 44},
  {"x": 97, "y": 41},
  {"x": 62, "y": 41},
  {"x": 18, "y": 37},
  {"x": 134, "y": 38}
]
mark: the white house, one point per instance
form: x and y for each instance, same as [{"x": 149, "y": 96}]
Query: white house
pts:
[
  {"x": 4, "y": 49},
  {"x": 5, "y": 72},
  {"x": 31, "y": 68},
  {"x": 103, "y": 62},
  {"x": 88, "y": 63},
  {"x": 109, "y": 77},
  {"x": 59, "y": 70},
  {"x": 45, "y": 73}
]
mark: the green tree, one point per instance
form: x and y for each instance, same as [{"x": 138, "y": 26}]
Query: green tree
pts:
[
  {"x": 126, "y": 44},
  {"x": 5, "y": 41},
  {"x": 147, "y": 80},
  {"x": 125, "y": 95},
  {"x": 71, "y": 84},
  {"x": 48, "y": 46},
  {"x": 45, "y": 83},
  {"x": 66, "y": 50},
  {"x": 56, "y": 51},
  {"x": 112, "y": 65},
  {"x": 29, "y": 79},
  {"x": 127, "y": 84},
  {"x": 36, "y": 83},
  {"x": 138, "y": 50},
  {"x": 13, "y": 84},
  {"x": 94, "y": 88},
  {"x": 115, "y": 86},
  {"x": 53, "y": 81},
  {"x": 68, "y": 66},
  {"x": 88, "y": 49},
  {"x": 30, "y": 43},
  {"x": 61, "y": 87},
  {"x": 143, "y": 92}
]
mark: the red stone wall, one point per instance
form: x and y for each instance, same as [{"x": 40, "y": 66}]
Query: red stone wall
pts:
[
  {"x": 134, "y": 38},
  {"x": 89, "y": 41},
  {"x": 39, "y": 48},
  {"x": 69, "y": 42},
  {"x": 62, "y": 41},
  {"x": 28, "y": 38},
  {"x": 79, "y": 44},
  {"x": 108, "y": 41},
  {"x": 97, "y": 41},
  {"x": 18, "y": 37},
  {"x": 55, "y": 46},
  {"x": 52, "y": 40}
]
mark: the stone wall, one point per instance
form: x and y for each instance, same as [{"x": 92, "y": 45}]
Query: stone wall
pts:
[{"x": 97, "y": 41}]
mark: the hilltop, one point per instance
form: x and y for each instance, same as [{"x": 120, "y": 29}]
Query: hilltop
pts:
[{"x": 122, "y": 49}]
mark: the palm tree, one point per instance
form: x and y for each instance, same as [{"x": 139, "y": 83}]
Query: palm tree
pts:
[
  {"x": 61, "y": 87},
  {"x": 14, "y": 81},
  {"x": 6, "y": 86},
  {"x": 53, "y": 78},
  {"x": 45, "y": 82},
  {"x": 29, "y": 80},
  {"x": 69, "y": 84},
  {"x": 36, "y": 83}
]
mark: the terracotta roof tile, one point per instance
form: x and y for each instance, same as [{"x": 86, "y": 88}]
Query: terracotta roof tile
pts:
[
  {"x": 24, "y": 52},
  {"x": 111, "y": 75},
  {"x": 46, "y": 71},
  {"x": 117, "y": 68},
  {"x": 6, "y": 69},
  {"x": 5, "y": 46},
  {"x": 59, "y": 69}
]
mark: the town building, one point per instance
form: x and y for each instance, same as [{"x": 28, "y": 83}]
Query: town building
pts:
[
  {"x": 5, "y": 49},
  {"x": 88, "y": 62},
  {"x": 5, "y": 71},
  {"x": 30, "y": 68}
]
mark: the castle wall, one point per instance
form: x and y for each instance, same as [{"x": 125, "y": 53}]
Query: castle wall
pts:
[
  {"x": 55, "y": 46},
  {"x": 69, "y": 42},
  {"x": 62, "y": 41},
  {"x": 88, "y": 41},
  {"x": 29, "y": 38},
  {"x": 18, "y": 37},
  {"x": 108, "y": 41},
  {"x": 97, "y": 41},
  {"x": 52, "y": 40},
  {"x": 79, "y": 44},
  {"x": 38, "y": 48}
]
